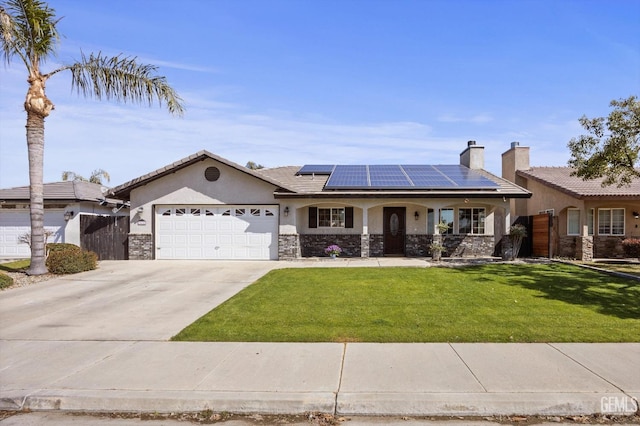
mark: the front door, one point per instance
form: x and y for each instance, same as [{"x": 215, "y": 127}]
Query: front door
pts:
[{"x": 394, "y": 220}]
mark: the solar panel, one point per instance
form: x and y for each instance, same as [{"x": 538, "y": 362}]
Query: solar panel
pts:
[
  {"x": 316, "y": 169},
  {"x": 353, "y": 177},
  {"x": 425, "y": 176},
  {"x": 465, "y": 177},
  {"x": 401, "y": 177},
  {"x": 388, "y": 177}
]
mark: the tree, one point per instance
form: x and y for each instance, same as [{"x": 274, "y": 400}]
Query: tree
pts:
[
  {"x": 254, "y": 166},
  {"x": 611, "y": 149},
  {"x": 96, "y": 176},
  {"x": 28, "y": 32}
]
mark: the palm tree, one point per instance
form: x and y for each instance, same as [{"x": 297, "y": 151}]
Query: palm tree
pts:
[
  {"x": 96, "y": 176},
  {"x": 28, "y": 32}
]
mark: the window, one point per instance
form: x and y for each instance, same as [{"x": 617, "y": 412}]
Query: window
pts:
[
  {"x": 471, "y": 221},
  {"x": 590, "y": 221},
  {"x": 446, "y": 215},
  {"x": 240, "y": 212},
  {"x": 430, "y": 221},
  {"x": 255, "y": 212},
  {"x": 611, "y": 221},
  {"x": 331, "y": 218},
  {"x": 181, "y": 212},
  {"x": 195, "y": 212},
  {"x": 573, "y": 222}
]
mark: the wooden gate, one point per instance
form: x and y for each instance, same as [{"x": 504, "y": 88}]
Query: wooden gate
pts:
[
  {"x": 541, "y": 235},
  {"x": 107, "y": 236}
]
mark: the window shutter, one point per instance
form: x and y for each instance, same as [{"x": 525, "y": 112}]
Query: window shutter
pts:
[
  {"x": 313, "y": 217},
  {"x": 348, "y": 217}
]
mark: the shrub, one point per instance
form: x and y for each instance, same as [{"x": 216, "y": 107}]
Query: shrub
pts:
[
  {"x": 71, "y": 260},
  {"x": 52, "y": 247},
  {"x": 631, "y": 247},
  {"x": 5, "y": 280}
]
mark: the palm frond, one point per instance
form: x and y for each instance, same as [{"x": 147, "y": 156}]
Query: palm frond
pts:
[
  {"x": 121, "y": 78},
  {"x": 28, "y": 30}
]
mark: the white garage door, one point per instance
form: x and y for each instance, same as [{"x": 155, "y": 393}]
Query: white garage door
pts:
[
  {"x": 217, "y": 232},
  {"x": 16, "y": 223}
]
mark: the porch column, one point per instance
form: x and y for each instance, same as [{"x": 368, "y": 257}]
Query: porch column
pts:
[
  {"x": 584, "y": 246},
  {"x": 364, "y": 237}
]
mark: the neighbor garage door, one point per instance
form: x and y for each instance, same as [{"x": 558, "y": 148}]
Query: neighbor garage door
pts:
[
  {"x": 217, "y": 232},
  {"x": 16, "y": 223}
]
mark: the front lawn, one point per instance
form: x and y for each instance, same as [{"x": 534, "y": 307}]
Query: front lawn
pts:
[{"x": 488, "y": 303}]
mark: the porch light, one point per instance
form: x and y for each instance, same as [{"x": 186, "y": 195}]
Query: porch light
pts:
[
  {"x": 68, "y": 215},
  {"x": 416, "y": 215},
  {"x": 286, "y": 211},
  {"x": 636, "y": 215},
  {"x": 140, "y": 209}
]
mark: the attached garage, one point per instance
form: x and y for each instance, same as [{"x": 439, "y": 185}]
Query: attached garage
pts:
[
  {"x": 224, "y": 232},
  {"x": 15, "y": 223}
]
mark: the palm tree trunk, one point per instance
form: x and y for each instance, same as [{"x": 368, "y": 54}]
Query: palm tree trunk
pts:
[
  {"x": 38, "y": 107},
  {"x": 35, "y": 145}
]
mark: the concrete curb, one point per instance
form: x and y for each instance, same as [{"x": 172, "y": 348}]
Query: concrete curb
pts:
[
  {"x": 480, "y": 404},
  {"x": 178, "y": 401}
]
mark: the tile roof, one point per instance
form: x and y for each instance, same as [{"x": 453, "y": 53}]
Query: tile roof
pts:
[
  {"x": 288, "y": 184},
  {"x": 560, "y": 179},
  {"x": 67, "y": 191},
  {"x": 313, "y": 186}
]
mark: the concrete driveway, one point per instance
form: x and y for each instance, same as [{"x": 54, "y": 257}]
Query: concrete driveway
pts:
[{"x": 124, "y": 300}]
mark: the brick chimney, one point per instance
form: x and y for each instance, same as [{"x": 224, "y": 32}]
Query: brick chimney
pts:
[
  {"x": 516, "y": 158},
  {"x": 473, "y": 156}
]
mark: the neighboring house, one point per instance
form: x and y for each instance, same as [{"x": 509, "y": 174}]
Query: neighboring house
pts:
[
  {"x": 206, "y": 207},
  {"x": 75, "y": 212},
  {"x": 589, "y": 220}
]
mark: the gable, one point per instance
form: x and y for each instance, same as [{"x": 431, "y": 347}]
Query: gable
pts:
[{"x": 204, "y": 182}]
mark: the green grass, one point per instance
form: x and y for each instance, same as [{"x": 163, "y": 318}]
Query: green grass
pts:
[
  {"x": 489, "y": 303},
  {"x": 16, "y": 266}
]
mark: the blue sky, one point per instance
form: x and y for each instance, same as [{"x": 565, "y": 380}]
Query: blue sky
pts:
[{"x": 332, "y": 81}]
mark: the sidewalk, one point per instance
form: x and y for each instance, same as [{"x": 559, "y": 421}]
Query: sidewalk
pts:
[{"x": 436, "y": 379}]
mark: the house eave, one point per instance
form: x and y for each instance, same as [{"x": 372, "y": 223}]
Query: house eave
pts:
[{"x": 391, "y": 194}]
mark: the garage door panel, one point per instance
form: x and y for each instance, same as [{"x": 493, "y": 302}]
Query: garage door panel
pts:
[
  {"x": 15, "y": 223},
  {"x": 217, "y": 232}
]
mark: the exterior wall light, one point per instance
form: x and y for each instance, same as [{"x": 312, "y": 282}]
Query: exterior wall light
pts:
[
  {"x": 68, "y": 215},
  {"x": 636, "y": 215},
  {"x": 140, "y": 209},
  {"x": 286, "y": 211},
  {"x": 416, "y": 215}
]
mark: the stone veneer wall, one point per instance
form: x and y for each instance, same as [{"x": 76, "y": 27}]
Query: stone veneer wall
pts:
[
  {"x": 288, "y": 246},
  {"x": 140, "y": 247},
  {"x": 417, "y": 245},
  {"x": 608, "y": 247},
  {"x": 463, "y": 245},
  {"x": 376, "y": 245},
  {"x": 585, "y": 252},
  {"x": 567, "y": 247},
  {"x": 313, "y": 245},
  {"x": 459, "y": 245}
]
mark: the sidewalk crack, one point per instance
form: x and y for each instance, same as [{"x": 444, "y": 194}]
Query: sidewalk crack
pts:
[
  {"x": 335, "y": 402},
  {"x": 468, "y": 368},
  {"x": 590, "y": 370}
]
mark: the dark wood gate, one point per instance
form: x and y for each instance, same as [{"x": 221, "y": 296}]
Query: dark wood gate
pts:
[
  {"x": 393, "y": 230},
  {"x": 541, "y": 235},
  {"x": 107, "y": 236}
]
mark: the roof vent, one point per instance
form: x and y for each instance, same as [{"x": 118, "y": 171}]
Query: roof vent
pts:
[{"x": 212, "y": 174}]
